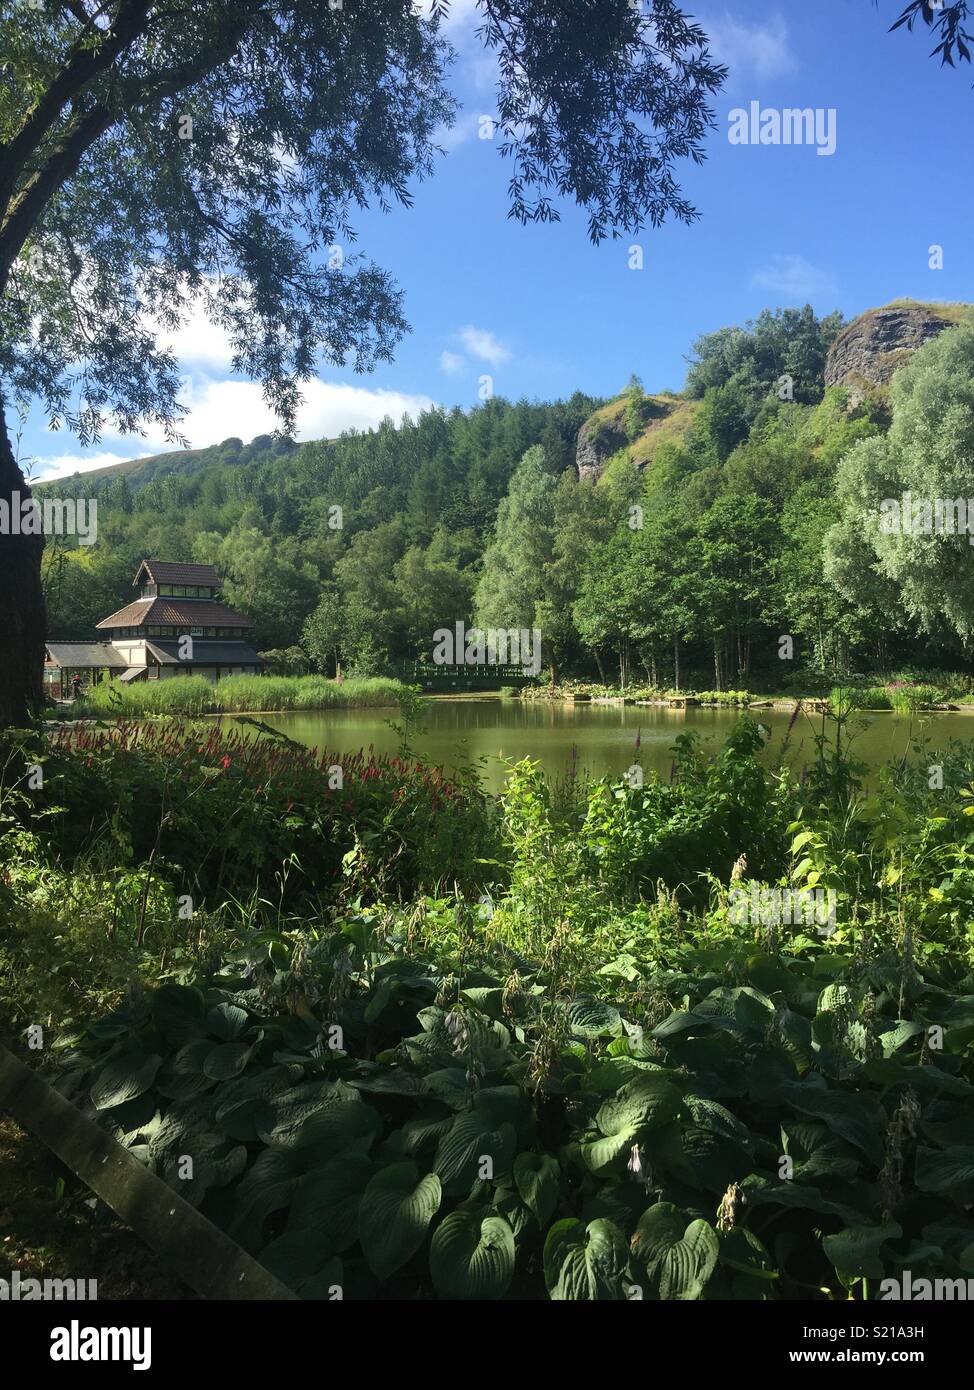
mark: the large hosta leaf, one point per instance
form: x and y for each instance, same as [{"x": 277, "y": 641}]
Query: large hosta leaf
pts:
[
  {"x": 395, "y": 1212},
  {"x": 649, "y": 1101},
  {"x": 682, "y": 1256},
  {"x": 472, "y": 1256},
  {"x": 226, "y": 1021},
  {"x": 860, "y": 1118},
  {"x": 187, "y": 1077},
  {"x": 855, "y": 1251},
  {"x": 124, "y": 1076},
  {"x": 228, "y": 1059},
  {"x": 470, "y": 1140},
  {"x": 591, "y": 1018},
  {"x": 585, "y": 1263},
  {"x": 537, "y": 1177},
  {"x": 327, "y": 1200},
  {"x": 707, "y": 1114},
  {"x": 951, "y": 1171}
]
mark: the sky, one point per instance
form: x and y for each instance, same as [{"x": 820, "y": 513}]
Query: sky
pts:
[{"x": 543, "y": 313}]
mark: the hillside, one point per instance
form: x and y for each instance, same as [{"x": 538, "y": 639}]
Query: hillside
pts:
[
  {"x": 357, "y": 549},
  {"x": 603, "y": 439},
  {"x": 138, "y": 473}
]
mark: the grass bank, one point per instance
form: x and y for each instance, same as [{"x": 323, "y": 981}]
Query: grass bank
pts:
[{"x": 237, "y": 694}]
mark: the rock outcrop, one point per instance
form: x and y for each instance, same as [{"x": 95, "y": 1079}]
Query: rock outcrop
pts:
[
  {"x": 873, "y": 346},
  {"x": 666, "y": 417},
  {"x": 598, "y": 440}
]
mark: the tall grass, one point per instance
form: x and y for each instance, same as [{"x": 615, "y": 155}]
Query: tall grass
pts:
[
  {"x": 900, "y": 696},
  {"x": 196, "y": 695}
]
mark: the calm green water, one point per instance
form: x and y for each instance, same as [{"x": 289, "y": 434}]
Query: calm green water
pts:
[{"x": 599, "y": 739}]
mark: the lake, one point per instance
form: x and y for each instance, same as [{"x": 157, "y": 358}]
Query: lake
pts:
[{"x": 599, "y": 738}]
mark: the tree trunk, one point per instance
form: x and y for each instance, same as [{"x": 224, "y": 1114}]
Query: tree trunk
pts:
[
  {"x": 23, "y": 625},
  {"x": 601, "y": 668},
  {"x": 676, "y": 664},
  {"x": 716, "y": 663}
]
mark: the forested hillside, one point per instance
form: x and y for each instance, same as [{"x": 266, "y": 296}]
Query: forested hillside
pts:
[{"x": 662, "y": 537}]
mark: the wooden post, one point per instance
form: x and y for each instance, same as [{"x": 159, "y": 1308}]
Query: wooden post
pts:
[{"x": 206, "y": 1259}]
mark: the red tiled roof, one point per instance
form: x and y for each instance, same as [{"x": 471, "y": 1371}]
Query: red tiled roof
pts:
[
  {"x": 166, "y": 572},
  {"x": 187, "y": 612}
]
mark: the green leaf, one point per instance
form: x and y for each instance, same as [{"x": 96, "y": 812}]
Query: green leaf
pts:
[
  {"x": 326, "y": 1201},
  {"x": 715, "y": 1118},
  {"x": 226, "y": 1021},
  {"x": 648, "y": 1100},
  {"x": 471, "y": 1138},
  {"x": 227, "y": 1060},
  {"x": 855, "y": 1251},
  {"x": 590, "y": 1018},
  {"x": 123, "y": 1077},
  {"x": 472, "y": 1256},
  {"x": 396, "y": 1209},
  {"x": 585, "y": 1263},
  {"x": 945, "y": 1172},
  {"x": 537, "y": 1177},
  {"x": 682, "y": 1257},
  {"x": 187, "y": 1077},
  {"x": 858, "y": 1118},
  {"x": 741, "y": 1250}
]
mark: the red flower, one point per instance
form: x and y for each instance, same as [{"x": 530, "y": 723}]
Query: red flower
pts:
[{"x": 225, "y": 763}]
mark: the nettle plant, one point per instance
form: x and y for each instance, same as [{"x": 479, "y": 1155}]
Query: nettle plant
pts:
[{"x": 371, "y": 1123}]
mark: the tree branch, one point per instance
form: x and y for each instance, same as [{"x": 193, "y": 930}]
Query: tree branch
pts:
[
  {"x": 83, "y": 64},
  {"x": 64, "y": 161}
]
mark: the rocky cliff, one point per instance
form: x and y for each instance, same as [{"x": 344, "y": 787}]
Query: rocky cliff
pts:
[{"x": 873, "y": 346}]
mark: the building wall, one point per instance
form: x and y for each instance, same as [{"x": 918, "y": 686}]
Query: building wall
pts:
[
  {"x": 131, "y": 650},
  {"x": 207, "y": 672}
]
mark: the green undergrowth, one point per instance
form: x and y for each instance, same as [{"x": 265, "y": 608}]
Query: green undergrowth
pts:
[{"x": 575, "y": 1071}]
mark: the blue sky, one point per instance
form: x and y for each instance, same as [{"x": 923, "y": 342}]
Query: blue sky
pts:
[{"x": 544, "y": 313}]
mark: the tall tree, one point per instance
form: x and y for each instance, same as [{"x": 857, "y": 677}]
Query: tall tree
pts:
[
  {"x": 153, "y": 153},
  {"x": 903, "y": 541}
]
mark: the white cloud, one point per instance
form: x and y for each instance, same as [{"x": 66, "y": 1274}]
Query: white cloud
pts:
[
  {"x": 480, "y": 343},
  {"x": 451, "y": 361},
  {"x": 451, "y": 137},
  {"x": 223, "y": 408},
  {"x": 198, "y": 342},
  {"x": 758, "y": 50},
  {"x": 65, "y": 465},
  {"x": 795, "y": 278}
]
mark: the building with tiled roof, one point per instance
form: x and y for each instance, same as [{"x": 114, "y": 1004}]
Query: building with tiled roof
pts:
[{"x": 176, "y": 626}]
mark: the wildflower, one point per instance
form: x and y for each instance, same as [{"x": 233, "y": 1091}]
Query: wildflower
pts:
[
  {"x": 225, "y": 762},
  {"x": 640, "y": 1170}
]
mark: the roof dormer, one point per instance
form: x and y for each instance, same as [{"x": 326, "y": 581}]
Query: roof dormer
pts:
[{"x": 164, "y": 579}]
